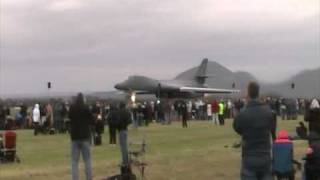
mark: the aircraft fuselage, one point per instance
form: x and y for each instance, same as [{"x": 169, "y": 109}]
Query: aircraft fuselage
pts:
[{"x": 160, "y": 88}]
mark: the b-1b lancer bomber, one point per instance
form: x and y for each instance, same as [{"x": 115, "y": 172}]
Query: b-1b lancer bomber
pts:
[{"x": 176, "y": 88}]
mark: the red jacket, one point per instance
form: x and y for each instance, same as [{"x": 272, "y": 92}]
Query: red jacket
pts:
[{"x": 214, "y": 106}]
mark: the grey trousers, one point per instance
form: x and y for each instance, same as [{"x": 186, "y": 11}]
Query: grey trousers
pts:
[
  {"x": 83, "y": 147},
  {"x": 124, "y": 147}
]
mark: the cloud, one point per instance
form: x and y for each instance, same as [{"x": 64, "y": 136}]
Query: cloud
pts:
[
  {"x": 64, "y": 5},
  {"x": 116, "y": 38}
]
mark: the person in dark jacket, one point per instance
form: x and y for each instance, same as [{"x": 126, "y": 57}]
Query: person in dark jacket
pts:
[
  {"x": 274, "y": 126},
  {"x": 274, "y": 119},
  {"x": 80, "y": 121},
  {"x": 65, "y": 116},
  {"x": 98, "y": 128},
  {"x": 57, "y": 119},
  {"x": 23, "y": 112},
  {"x": 112, "y": 123},
  {"x": 123, "y": 120},
  {"x": 184, "y": 112},
  {"x": 313, "y": 117},
  {"x": 254, "y": 125},
  {"x": 2, "y": 117},
  {"x": 238, "y": 105}
]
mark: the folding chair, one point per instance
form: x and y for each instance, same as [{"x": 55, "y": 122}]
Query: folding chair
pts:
[
  {"x": 136, "y": 153},
  {"x": 8, "y": 149}
]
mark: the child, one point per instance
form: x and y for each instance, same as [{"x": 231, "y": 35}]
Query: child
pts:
[{"x": 282, "y": 162}]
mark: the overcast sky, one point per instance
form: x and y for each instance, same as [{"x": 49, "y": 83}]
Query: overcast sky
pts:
[{"x": 83, "y": 45}]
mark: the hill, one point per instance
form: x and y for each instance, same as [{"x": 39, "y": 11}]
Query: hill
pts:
[{"x": 307, "y": 83}]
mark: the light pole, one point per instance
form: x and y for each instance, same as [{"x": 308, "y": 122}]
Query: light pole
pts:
[
  {"x": 293, "y": 86},
  {"x": 49, "y": 86}
]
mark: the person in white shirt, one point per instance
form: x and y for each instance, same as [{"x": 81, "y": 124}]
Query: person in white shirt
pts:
[
  {"x": 209, "y": 111},
  {"x": 36, "y": 118}
]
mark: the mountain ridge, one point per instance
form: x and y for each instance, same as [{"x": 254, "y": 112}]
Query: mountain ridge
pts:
[{"x": 307, "y": 82}]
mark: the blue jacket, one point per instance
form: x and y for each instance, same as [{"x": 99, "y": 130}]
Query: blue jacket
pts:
[
  {"x": 282, "y": 157},
  {"x": 254, "y": 124}
]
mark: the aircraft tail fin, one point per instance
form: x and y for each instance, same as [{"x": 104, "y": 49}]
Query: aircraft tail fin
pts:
[{"x": 201, "y": 74}]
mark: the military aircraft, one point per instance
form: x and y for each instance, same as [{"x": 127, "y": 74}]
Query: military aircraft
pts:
[{"x": 176, "y": 88}]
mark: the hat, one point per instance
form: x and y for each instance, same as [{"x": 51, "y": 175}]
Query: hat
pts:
[{"x": 314, "y": 104}]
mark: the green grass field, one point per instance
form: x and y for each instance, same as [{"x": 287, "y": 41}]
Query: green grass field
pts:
[{"x": 173, "y": 153}]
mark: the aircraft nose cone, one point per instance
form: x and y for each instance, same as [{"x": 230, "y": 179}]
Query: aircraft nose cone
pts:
[{"x": 117, "y": 86}]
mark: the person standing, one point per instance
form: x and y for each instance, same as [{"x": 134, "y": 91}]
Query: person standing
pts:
[
  {"x": 57, "y": 119},
  {"x": 112, "y": 124},
  {"x": 65, "y": 116},
  {"x": 209, "y": 112},
  {"x": 184, "y": 113},
  {"x": 123, "y": 120},
  {"x": 238, "y": 105},
  {"x": 189, "y": 109},
  {"x": 221, "y": 112},
  {"x": 148, "y": 113},
  {"x": 197, "y": 109},
  {"x": 23, "y": 112},
  {"x": 2, "y": 117},
  {"x": 229, "y": 109},
  {"x": 313, "y": 116},
  {"x": 36, "y": 118},
  {"x": 97, "y": 130},
  {"x": 43, "y": 117},
  {"x": 214, "y": 110},
  {"x": 161, "y": 115},
  {"x": 254, "y": 125},
  {"x": 80, "y": 121},
  {"x": 49, "y": 116},
  {"x": 283, "y": 109},
  {"x": 274, "y": 118}
]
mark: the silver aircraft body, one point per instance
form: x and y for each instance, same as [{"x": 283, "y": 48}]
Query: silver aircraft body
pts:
[{"x": 176, "y": 88}]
